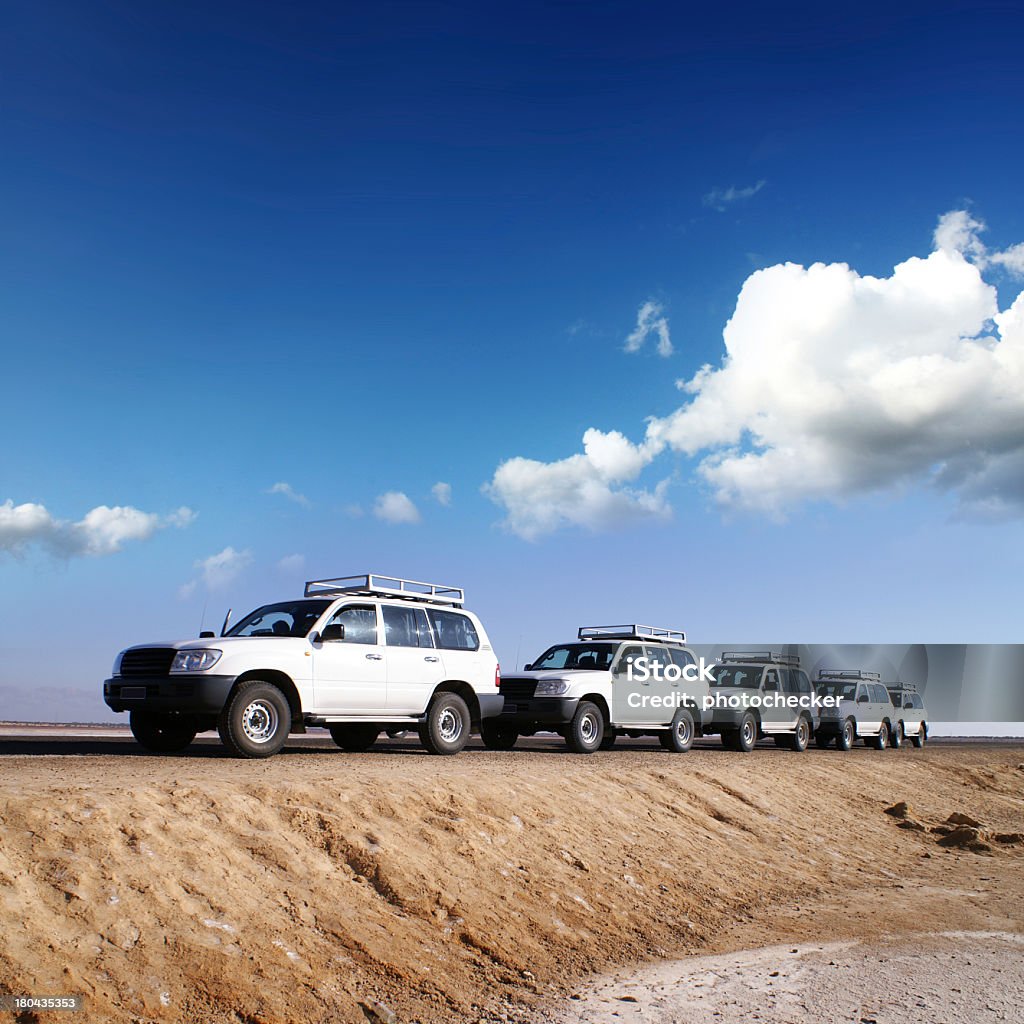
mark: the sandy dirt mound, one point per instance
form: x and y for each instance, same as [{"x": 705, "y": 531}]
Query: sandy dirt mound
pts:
[{"x": 479, "y": 887}]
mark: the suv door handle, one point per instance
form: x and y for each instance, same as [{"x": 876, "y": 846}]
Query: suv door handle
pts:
[
  {"x": 375, "y": 657},
  {"x": 430, "y": 657}
]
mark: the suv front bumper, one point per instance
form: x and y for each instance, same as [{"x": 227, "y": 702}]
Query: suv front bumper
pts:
[
  {"x": 538, "y": 710},
  {"x": 200, "y": 694}
]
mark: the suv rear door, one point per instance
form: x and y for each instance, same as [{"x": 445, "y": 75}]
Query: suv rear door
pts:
[{"x": 414, "y": 667}]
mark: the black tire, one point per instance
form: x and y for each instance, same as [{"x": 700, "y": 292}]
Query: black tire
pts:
[
  {"x": 822, "y": 740},
  {"x": 746, "y": 734},
  {"x": 586, "y": 730},
  {"x": 354, "y": 738},
  {"x": 801, "y": 736},
  {"x": 498, "y": 737},
  {"x": 847, "y": 735},
  {"x": 896, "y": 737},
  {"x": 255, "y": 721},
  {"x": 445, "y": 729},
  {"x": 163, "y": 732},
  {"x": 608, "y": 740},
  {"x": 921, "y": 738},
  {"x": 679, "y": 737},
  {"x": 881, "y": 741}
]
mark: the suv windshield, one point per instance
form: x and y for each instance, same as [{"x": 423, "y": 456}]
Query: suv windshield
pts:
[
  {"x": 844, "y": 691},
  {"x": 577, "y": 656},
  {"x": 737, "y": 675},
  {"x": 291, "y": 618}
]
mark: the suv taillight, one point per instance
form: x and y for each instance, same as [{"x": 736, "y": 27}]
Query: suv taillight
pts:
[{"x": 497, "y": 675}]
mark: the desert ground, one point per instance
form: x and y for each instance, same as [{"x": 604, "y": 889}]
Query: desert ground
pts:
[{"x": 535, "y": 885}]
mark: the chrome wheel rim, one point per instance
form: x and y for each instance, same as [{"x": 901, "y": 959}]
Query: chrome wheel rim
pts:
[
  {"x": 683, "y": 732},
  {"x": 748, "y": 733},
  {"x": 449, "y": 725},
  {"x": 848, "y": 734},
  {"x": 260, "y": 721},
  {"x": 588, "y": 728}
]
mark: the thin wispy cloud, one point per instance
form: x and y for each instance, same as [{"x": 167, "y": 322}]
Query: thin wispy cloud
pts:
[
  {"x": 650, "y": 320},
  {"x": 721, "y": 199},
  {"x": 287, "y": 491},
  {"x": 102, "y": 531},
  {"x": 217, "y": 571},
  {"x": 442, "y": 493}
]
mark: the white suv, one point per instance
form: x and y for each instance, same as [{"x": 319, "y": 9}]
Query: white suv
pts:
[
  {"x": 613, "y": 681},
  {"x": 357, "y": 654}
]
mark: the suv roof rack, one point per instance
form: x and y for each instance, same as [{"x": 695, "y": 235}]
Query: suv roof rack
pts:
[
  {"x": 852, "y": 674},
  {"x": 372, "y": 584},
  {"x": 909, "y": 687},
  {"x": 759, "y": 657},
  {"x": 634, "y": 631}
]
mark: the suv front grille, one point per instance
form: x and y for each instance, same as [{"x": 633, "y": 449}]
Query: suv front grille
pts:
[
  {"x": 147, "y": 661},
  {"x": 518, "y": 689}
]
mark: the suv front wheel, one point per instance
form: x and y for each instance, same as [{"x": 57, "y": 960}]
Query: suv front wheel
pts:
[
  {"x": 586, "y": 731},
  {"x": 256, "y": 720},
  {"x": 445, "y": 729},
  {"x": 163, "y": 732}
]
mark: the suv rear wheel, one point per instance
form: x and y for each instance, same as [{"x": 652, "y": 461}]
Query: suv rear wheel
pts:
[
  {"x": 354, "y": 738},
  {"x": 896, "y": 736},
  {"x": 498, "y": 737},
  {"x": 256, "y": 720},
  {"x": 801, "y": 735},
  {"x": 163, "y": 732},
  {"x": 445, "y": 730},
  {"x": 881, "y": 741},
  {"x": 586, "y": 730},
  {"x": 679, "y": 737},
  {"x": 921, "y": 737}
]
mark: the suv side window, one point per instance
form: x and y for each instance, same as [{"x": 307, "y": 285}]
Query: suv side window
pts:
[
  {"x": 628, "y": 653},
  {"x": 790, "y": 681},
  {"x": 406, "y": 627},
  {"x": 916, "y": 701},
  {"x": 879, "y": 694},
  {"x": 454, "y": 632},
  {"x": 360, "y": 622},
  {"x": 657, "y": 656},
  {"x": 771, "y": 680},
  {"x": 681, "y": 657},
  {"x": 803, "y": 682}
]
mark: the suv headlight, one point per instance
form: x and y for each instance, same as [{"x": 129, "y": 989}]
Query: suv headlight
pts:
[
  {"x": 551, "y": 688},
  {"x": 116, "y": 670},
  {"x": 195, "y": 661}
]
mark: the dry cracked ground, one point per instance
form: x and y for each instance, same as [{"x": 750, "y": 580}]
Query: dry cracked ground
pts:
[{"x": 324, "y": 886}]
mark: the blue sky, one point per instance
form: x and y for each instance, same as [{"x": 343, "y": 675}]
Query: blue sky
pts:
[{"x": 364, "y": 251}]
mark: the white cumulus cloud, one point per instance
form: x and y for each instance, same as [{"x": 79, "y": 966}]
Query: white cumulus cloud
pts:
[
  {"x": 959, "y": 232},
  {"x": 396, "y": 507},
  {"x": 721, "y": 199},
  {"x": 650, "y": 319},
  {"x": 289, "y": 492},
  {"x": 832, "y": 385},
  {"x": 442, "y": 493},
  {"x": 588, "y": 489},
  {"x": 102, "y": 531}
]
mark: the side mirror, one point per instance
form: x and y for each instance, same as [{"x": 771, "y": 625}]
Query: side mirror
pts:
[
  {"x": 770, "y": 686},
  {"x": 909, "y": 704},
  {"x": 334, "y": 631},
  {"x": 528, "y": 667},
  {"x": 862, "y": 699},
  {"x": 207, "y": 634}
]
